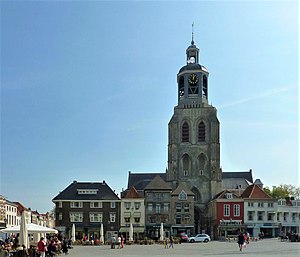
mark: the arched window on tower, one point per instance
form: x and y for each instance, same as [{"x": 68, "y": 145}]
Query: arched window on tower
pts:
[
  {"x": 201, "y": 163},
  {"x": 204, "y": 87},
  {"x": 185, "y": 132},
  {"x": 186, "y": 165},
  {"x": 201, "y": 132},
  {"x": 197, "y": 195},
  {"x": 181, "y": 87}
]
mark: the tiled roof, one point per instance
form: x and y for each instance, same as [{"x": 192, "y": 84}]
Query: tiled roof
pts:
[
  {"x": 222, "y": 194},
  {"x": 132, "y": 193},
  {"x": 141, "y": 180},
  {"x": 255, "y": 192},
  {"x": 104, "y": 192},
  {"x": 184, "y": 187},
  {"x": 158, "y": 183},
  {"x": 238, "y": 174}
]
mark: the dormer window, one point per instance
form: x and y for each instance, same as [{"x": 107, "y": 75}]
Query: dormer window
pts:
[
  {"x": 87, "y": 191},
  {"x": 229, "y": 195}
]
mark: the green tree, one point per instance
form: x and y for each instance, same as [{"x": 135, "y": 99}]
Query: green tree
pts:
[{"x": 283, "y": 190}]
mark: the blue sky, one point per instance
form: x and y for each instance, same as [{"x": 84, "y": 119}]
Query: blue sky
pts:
[{"x": 88, "y": 89}]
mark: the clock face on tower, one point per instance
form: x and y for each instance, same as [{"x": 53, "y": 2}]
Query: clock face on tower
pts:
[{"x": 193, "y": 79}]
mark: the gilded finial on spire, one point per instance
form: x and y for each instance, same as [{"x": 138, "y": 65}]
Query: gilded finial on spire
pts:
[{"x": 192, "y": 34}]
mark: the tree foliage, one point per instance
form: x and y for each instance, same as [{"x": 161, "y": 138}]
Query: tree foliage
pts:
[{"x": 283, "y": 190}]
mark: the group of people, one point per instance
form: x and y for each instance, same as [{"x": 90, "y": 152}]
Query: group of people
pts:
[
  {"x": 119, "y": 241},
  {"x": 49, "y": 247},
  {"x": 168, "y": 243},
  {"x": 243, "y": 240}
]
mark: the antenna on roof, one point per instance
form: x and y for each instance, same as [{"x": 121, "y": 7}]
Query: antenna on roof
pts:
[{"x": 192, "y": 33}]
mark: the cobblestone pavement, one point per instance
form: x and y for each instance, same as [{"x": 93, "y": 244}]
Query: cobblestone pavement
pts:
[{"x": 267, "y": 247}]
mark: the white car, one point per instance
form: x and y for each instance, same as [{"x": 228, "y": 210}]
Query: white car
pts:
[{"x": 199, "y": 238}]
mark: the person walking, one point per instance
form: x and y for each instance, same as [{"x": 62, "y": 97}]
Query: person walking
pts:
[
  {"x": 122, "y": 241},
  {"x": 241, "y": 241},
  {"x": 42, "y": 247},
  {"x": 171, "y": 242}
]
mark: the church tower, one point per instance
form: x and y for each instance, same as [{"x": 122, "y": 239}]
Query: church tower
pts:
[{"x": 194, "y": 140}]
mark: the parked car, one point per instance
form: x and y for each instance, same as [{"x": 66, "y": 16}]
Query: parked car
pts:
[
  {"x": 183, "y": 237},
  {"x": 199, "y": 238}
]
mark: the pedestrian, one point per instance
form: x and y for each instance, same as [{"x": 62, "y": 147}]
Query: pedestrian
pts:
[
  {"x": 241, "y": 241},
  {"x": 113, "y": 242},
  {"x": 122, "y": 241},
  {"x": 42, "y": 247},
  {"x": 119, "y": 242},
  {"x": 52, "y": 249},
  {"x": 171, "y": 242}
]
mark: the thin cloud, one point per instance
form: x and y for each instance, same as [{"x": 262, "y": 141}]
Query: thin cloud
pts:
[{"x": 274, "y": 91}]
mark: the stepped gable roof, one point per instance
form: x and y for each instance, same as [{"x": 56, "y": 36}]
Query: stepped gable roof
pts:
[
  {"x": 255, "y": 192},
  {"x": 222, "y": 195},
  {"x": 158, "y": 183},
  {"x": 182, "y": 186},
  {"x": 101, "y": 192},
  {"x": 238, "y": 175},
  {"x": 141, "y": 180},
  {"x": 132, "y": 193}
]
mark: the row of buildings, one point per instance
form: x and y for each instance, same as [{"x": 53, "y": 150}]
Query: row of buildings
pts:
[
  {"x": 11, "y": 212},
  {"x": 149, "y": 201}
]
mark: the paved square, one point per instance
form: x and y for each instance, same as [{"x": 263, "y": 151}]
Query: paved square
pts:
[{"x": 267, "y": 247}]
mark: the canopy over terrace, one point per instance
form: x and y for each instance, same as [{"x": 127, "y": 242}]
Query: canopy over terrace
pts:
[{"x": 31, "y": 229}]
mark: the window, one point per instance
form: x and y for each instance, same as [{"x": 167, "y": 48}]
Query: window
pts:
[
  {"x": 236, "y": 210},
  {"x": 181, "y": 87},
  {"x": 259, "y": 204},
  {"x": 270, "y": 204},
  {"x": 150, "y": 206},
  {"x": 60, "y": 216},
  {"x": 112, "y": 217},
  {"x": 250, "y": 215},
  {"x": 127, "y": 220},
  {"x": 182, "y": 195},
  {"x": 137, "y": 220},
  {"x": 157, "y": 207},
  {"x": 178, "y": 219},
  {"x": 250, "y": 205},
  {"x": 137, "y": 205},
  {"x": 95, "y": 204},
  {"x": 87, "y": 191},
  {"x": 204, "y": 87},
  {"x": 270, "y": 216},
  {"x": 76, "y": 204},
  {"x": 112, "y": 205},
  {"x": 185, "y": 133},
  {"x": 187, "y": 219},
  {"x": 95, "y": 217},
  {"x": 185, "y": 173},
  {"x": 285, "y": 216},
  {"x": 226, "y": 210},
  {"x": 127, "y": 205},
  {"x": 229, "y": 196},
  {"x": 59, "y": 204},
  {"x": 260, "y": 215},
  {"x": 76, "y": 216},
  {"x": 178, "y": 207},
  {"x": 186, "y": 207},
  {"x": 201, "y": 132},
  {"x": 166, "y": 207}
]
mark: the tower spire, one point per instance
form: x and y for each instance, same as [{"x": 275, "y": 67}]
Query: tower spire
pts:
[{"x": 192, "y": 42}]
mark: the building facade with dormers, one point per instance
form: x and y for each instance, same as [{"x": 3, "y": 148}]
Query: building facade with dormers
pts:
[
  {"x": 132, "y": 213},
  {"x": 260, "y": 212},
  {"x": 87, "y": 205},
  {"x": 182, "y": 210},
  {"x": 288, "y": 215},
  {"x": 157, "y": 207},
  {"x": 226, "y": 214}
]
